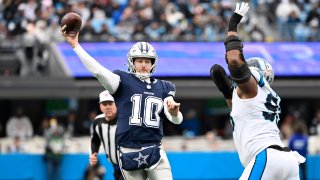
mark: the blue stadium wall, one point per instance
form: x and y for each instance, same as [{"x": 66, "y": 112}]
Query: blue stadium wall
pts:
[{"x": 185, "y": 166}]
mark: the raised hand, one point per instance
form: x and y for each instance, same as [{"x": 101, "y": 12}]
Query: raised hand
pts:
[
  {"x": 242, "y": 8},
  {"x": 72, "y": 40}
]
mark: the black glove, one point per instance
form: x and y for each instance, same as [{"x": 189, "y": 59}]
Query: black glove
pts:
[{"x": 220, "y": 78}]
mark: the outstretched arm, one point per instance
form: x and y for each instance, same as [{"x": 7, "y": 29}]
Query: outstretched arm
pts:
[
  {"x": 239, "y": 70},
  {"x": 109, "y": 80}
]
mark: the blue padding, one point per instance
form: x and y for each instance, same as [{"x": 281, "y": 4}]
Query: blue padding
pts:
[
  {"x": 259, "y": 166},
  {"x": 313, "y": 164},
  {"x": 205, "y": 165},
  {"x": 20, "y": 166},
  {"x": 184, "y": 165},
  {"x": 74, "y": 166}
]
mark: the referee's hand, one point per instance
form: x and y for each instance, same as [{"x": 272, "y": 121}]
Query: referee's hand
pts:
[{"x": 93, "y": 159}]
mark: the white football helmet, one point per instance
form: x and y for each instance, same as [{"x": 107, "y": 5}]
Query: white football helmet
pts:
[
  {"x": 263, "y": 67},
  {"x": 144, "y": 50}
]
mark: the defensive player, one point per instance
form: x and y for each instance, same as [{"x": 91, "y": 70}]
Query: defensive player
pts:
[
  {"x": 255, "y": 109},
  {"x": 104, "y": 132},
  {"x": 143, "y": 102}
]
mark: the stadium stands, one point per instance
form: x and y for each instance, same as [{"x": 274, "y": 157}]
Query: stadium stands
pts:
[{"x": 203, "y": 20}]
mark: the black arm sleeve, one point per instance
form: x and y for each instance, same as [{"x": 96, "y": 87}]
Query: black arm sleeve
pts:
[
  {"x": 240, "y": 74},
  {"x": 95, "y": 139},
  {"x": 234, "y": 21}
]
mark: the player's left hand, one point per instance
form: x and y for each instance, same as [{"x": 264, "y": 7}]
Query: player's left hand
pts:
[
  {"x": 173, "y": 107},
  {"x": 242, "y": 8}
]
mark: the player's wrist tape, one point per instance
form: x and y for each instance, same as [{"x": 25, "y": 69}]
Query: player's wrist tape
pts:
[
  {"x": 220, "y": 78},
  {"x": 177, "y": 119},
  {"x": 233, "y": 43},
  {"x": 240, "y": 74},
  {"x": 234, "y": 21}
]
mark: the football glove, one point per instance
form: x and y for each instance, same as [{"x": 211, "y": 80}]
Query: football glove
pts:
[
  {"x": 239, "y": 12},
  {"x": 220, "y": 78}
]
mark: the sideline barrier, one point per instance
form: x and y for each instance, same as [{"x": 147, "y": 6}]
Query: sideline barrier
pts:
[{"x": 185, "y": 166}]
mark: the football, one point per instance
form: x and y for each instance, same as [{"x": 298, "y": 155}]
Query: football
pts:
[{"x": 73, "y": 23}]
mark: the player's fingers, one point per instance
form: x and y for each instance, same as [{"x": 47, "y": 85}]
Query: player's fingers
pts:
[
  {"x": 172, "y": 105},
  {"x": 237, "y": 7},
  {"x": 168, "y": 103},
  {"x": 63, "y": 28},
  {"x": 177, "y": 105},
  {"x": 247, "y": 7},
  {"x": 93, "y": 159},
  {"x": 64, "y": 33}
]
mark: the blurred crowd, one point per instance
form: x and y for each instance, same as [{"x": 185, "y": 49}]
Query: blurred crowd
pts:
[
  {"x": 27, "y": 27},
  {"x": 161, "y": 20},
  {"x": 20, "y": 126}
]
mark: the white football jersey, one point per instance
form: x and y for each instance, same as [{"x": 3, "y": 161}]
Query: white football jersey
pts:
[{"x": 255, "y": 121}]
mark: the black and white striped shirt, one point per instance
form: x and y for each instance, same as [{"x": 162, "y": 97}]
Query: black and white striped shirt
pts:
[{"x": 105, "y": 132}]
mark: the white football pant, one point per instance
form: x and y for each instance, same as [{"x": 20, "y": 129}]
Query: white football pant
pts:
[{"x": 272, "y": 164}]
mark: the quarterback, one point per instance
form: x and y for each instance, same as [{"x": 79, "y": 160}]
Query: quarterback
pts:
[{"x": 143, "y": 103}]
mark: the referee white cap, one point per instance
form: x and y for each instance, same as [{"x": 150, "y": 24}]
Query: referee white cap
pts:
[{"x": 105, "y": 96}]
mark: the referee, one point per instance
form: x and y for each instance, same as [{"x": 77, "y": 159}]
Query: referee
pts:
[{"x": 104, "y": 131}]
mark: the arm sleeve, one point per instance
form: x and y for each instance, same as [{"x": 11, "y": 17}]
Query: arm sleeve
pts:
[
  {"x": 109, "y": 80},
  {"x": 176, "y": 120},
  {"x": 95, "y": 140}
]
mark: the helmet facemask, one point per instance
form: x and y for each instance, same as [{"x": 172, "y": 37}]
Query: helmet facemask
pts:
[
  {"x": 263, "y": 67},
  {"x": 142, "y": 50}
]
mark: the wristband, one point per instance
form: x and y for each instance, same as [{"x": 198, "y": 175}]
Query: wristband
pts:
[{"x": 234, "y": 21}]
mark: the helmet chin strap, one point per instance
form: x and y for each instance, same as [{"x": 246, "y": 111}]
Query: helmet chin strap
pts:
[{"x": 142, "y": 76}]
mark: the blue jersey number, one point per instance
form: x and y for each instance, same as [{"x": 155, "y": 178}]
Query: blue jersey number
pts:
[{"x": 152, "y": 108}]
